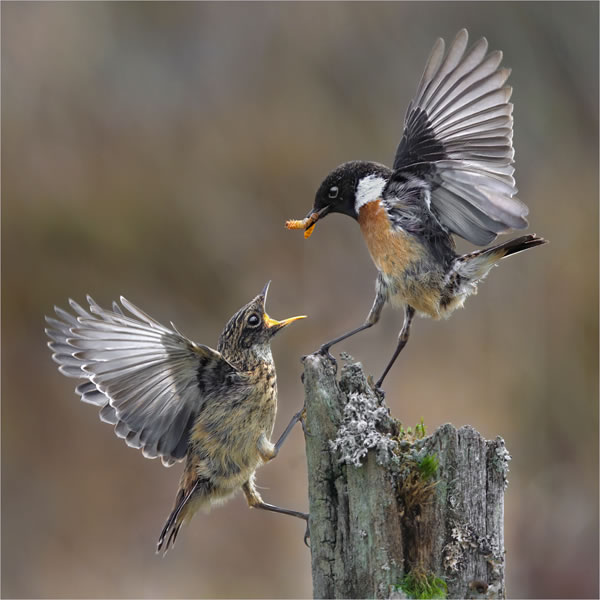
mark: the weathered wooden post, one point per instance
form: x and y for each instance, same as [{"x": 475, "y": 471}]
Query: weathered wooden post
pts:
[{"x": 394, "y": 513}]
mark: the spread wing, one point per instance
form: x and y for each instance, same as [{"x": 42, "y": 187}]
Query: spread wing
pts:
[
  {"x": 458, "y": 140},
  {"x": 148, "y": 380}
]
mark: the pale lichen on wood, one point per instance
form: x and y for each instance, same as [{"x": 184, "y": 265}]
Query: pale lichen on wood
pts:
[{"x": 391, "y": 511}]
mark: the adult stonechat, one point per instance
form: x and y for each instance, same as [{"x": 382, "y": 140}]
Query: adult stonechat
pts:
[{"x": 452, "y": 174}]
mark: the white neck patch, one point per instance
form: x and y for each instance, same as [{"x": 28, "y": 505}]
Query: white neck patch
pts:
[{"x": 369, "y": 189}]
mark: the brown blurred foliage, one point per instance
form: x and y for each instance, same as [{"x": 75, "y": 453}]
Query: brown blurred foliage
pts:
[{"x": 155, "y": 150}]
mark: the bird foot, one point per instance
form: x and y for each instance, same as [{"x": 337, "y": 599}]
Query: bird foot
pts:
[
  {"x": 307, "y": 533},
  {"x": 324, "y": 351},
  {"x": 376, "y": 387},
  {"x": 303, "y": 423}
]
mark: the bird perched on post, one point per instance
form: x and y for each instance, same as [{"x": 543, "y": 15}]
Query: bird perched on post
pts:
[
  {"x": 452, "y": 174},
  {"x": 175, "y": 399}
]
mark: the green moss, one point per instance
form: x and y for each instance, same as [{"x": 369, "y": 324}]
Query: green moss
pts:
[
  {"x": 420, "y": 430},
  {"x": 420, "y": 585},
  {"x": 428, "y": 466},
  {"x": 410, "y": 434}
]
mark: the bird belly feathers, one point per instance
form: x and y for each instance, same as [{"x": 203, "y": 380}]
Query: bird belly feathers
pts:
[{"x": 225, "y": 443}]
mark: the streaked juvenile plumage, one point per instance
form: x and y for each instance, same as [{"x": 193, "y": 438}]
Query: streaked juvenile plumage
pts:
[
  {"x": 452, "y": 174},
  {"x": 175, "y": 399}
]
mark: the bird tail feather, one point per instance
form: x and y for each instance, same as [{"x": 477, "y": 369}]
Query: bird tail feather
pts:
[
  {"x": 512, "y": 247},
  {"x": 476, "y": 265},
  {"x": 175, "y": 520}
]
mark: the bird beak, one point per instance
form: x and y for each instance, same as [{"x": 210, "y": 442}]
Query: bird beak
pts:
[
  {"x": 274, "y": 326},
  {"x": 308, "y": 223},
  {"x": 265, "y": 290},
  {"x": 311, "y": 218}
]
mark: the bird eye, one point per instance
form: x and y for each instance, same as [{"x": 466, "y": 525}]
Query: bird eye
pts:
[
  {"x": 333, "y": 192},
  {"x": 253, "y": 320}
]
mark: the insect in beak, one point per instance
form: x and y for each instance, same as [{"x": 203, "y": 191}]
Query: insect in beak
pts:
[{"x": 308, "y": 223}]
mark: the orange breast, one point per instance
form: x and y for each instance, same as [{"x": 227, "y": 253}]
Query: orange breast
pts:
[
  {"x": 393, "y": 252},
  {"x": 390, "y": 250}
]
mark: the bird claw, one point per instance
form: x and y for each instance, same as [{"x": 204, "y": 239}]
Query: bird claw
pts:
[
  {"x": 379, "y": 392},
  {"x": 324, "y": 351},
  {"x": 376, "y": 387},
  {"x": 307, "y": 533},
  {"x": 303, "y": 423}
]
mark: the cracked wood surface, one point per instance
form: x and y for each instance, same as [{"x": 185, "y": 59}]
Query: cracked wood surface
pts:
[{"x": 372, "y": 524}]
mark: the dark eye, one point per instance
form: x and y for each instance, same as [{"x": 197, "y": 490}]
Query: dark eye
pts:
[
  {"x": 333, "y": 192},
  {"x": 253, "y": 320}
]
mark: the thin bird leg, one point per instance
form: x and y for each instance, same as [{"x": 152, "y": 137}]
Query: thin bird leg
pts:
[
  {"x": 255, "y": 501},
  {"x": 324, "y": 349},
  {"x": 297, "y": 417},
  {"x": 283, "y": 511},
  {"x": 293, "y": 513},
  {"x": 267, "y": 450},
  {"x": 372, "y": 318},
  {"x": 409, "y": 313}
]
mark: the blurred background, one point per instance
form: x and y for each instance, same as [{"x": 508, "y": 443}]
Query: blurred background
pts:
[{"x": 155, "y": 150}]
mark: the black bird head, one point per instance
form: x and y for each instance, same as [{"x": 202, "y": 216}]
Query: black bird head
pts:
[
  {"x": 248, "y": 333},
  {"x": 340, "y": 191}
]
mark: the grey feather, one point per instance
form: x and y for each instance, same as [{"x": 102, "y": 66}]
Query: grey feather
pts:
[
  {"x": 489, "y": 101},
  {"x": 474, "y": 134},
  {"x": 481, "y": 120},
  {"x": 465, "y": 220},
  {"x": 91, "y": 394},
  {"x": 95, "y": 397},
  {"x": 133, "y": 440},
  {"x": 121, "y": 430},
  {"x": 117, "y": 309},
  {"x": 78, "y": 309},
  {"x": 71, "y": 370},
  {"x": 433, "y": 63},
  {"x": 450, "y": 63},
  {"x": 480, "y": 180},
  {"x": 488, "y": 196},
  {"x": 494, "y": 171},
  {"x": 108, "y": 414},
  {"x": 479, "y": 81}
]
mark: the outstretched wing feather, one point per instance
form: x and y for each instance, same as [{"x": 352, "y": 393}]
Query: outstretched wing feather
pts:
[
  {"x": 458, "y": 140},
  {"x": 142, "y": 375}
]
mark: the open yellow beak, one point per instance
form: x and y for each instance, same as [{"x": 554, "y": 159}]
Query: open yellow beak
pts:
[{"x": 279, "y": 324}]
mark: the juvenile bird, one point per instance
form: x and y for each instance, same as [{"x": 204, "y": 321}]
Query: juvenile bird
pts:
[
  {"x": 175, "y": 399},
  {"x": 452, "y": 174}
]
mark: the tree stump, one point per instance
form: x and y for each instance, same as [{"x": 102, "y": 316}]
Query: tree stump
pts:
[{"x": 395, "y": 513}]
